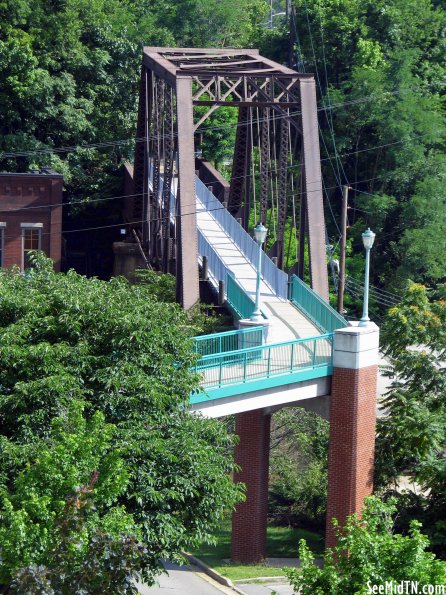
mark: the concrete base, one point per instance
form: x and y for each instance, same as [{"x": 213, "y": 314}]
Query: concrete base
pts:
[
  {"x": 127, "y": 259},
  {"x": 248, "y": 323}
]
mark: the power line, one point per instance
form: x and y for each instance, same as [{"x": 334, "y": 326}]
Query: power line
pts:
[
  {"x": 273, "y": 170},
  {"x": 114, "y": 143}
]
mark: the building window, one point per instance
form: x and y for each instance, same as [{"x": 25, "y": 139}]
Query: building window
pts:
[
  {"x": 2, "y": 242},
  {"x": 31, "y": 240}
]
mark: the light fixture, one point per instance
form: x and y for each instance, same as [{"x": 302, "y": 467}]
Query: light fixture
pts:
[
  {"x": 368, "y": 237},
  {"x": 260, "y": 233}
]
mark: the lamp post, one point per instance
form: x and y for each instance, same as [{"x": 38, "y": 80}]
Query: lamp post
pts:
[
  {"x": 368, "y": 237},
  {"x": 260, "y": 232}
]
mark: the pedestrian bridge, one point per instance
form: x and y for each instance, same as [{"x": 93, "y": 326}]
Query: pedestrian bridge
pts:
[{"x": 291, "y": 351}]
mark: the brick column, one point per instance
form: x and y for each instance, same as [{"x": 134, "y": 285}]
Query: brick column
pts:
[
  {"x": 252, "y": 455},
  {"x": 352, "y": 423}
]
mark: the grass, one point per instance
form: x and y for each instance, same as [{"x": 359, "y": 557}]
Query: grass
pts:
[{"x": 282, "y": 542}]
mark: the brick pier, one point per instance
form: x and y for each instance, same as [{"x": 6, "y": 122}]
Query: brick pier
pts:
[
  {"x": 252, "y": 455},
  {"x": 352, "y": 423}
]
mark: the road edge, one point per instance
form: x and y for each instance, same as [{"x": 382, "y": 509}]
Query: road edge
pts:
[{"x": 213, "y": 573}]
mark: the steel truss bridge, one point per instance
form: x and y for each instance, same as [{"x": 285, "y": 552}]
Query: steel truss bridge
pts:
[
  {"x": 185, "y": 215},
  {"x": 183, "y": 211}
]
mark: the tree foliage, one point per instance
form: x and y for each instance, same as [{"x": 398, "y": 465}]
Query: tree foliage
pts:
[
  {"x": 61, "y": 523},
  {"x": 380, "y": 75},
  {"x": 70, "y": 76},
  {"x": 368, "y": 553},
  {"x": 298, "y": 468},
  {"x": 411, "y": 438},
  {"x": 128, "y": 357}
]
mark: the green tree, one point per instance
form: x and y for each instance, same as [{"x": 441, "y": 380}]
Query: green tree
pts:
[
  {"x": 411, "y": 438},
  {"x": 298, "y": 468},
  {"x": 368, "y": 553},
  {"x": 70, "y": 76},
  {"x": 128, "y": 356},
  {"x": 380, "y": 78},
  {"x": 61, "y": 517}
]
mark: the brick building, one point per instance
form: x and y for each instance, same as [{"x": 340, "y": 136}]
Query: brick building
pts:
[{"x": 30, "y": 216}]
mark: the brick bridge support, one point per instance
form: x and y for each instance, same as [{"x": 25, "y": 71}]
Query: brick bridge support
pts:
[
  {"x": 351, "y": 445},
  {"x": 252, "y": 455},
  {"x": 352, "y": 423}
]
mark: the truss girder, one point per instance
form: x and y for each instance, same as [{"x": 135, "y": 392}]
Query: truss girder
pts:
[
  {"x": 282, "y": 199},
  {"x": 240, "y": 163},
  {"x": 173, "y": 81}
]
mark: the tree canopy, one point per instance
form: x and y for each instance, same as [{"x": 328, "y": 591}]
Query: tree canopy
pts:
[
  {"x": 70, "y": 76},
  {"x": 369, "y": 553},
  {"x": 125, "y": 357},
  {"x": 381, "y": 76},
  {"x": 411, "y": 438}
]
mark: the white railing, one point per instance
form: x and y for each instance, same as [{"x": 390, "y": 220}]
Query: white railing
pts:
[
  {"x": 274, "y": 277},
  {"x": 217, "y": 269}
]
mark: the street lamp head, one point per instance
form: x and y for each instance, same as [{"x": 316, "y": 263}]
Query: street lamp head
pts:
[
  {"x": 368, "y": 237},
  {"x": 260, "y": 232}
]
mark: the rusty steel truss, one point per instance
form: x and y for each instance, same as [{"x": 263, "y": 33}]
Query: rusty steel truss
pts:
[{"x": 277, "y": 127}]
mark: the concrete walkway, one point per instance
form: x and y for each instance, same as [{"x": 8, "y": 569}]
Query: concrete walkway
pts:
[
  {"x": 266, "y": 588},
  {"x": 286, "y": 321},
  {"x": 185, "y": 580}
]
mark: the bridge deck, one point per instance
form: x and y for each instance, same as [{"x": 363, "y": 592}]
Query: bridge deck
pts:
[{"x": 286, "y": 321}]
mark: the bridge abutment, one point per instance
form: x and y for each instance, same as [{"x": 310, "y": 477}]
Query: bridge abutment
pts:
[
  {"x": 252, "y": 456},
  {"x": 352, "y": 423}
]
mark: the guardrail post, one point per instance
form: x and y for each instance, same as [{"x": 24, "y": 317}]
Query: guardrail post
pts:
[
  {"x": 221, "y": 293},
  {"x": 269, "y": 362},
  {"x": 205, "y": 268},
  {"x": 352, "y": 423}
]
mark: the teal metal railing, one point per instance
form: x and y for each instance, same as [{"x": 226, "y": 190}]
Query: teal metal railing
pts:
[
  {"x": 228, "y": 341},
  {"x": 314, "y": 307},
  {"x": 265, "y": 362},
  {"x": 239, "y": 301}
]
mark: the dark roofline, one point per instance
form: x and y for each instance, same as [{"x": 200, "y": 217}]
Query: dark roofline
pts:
[{"x": 44, "y": 172}]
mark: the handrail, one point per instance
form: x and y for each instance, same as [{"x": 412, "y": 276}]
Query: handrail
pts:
[
  {"x": 217, "y": 268},
  {"x": 273, "y": 276},
  {"x": 228, "y": 341},
  {"x": 313, "y": 306},
  {"x": 239, "y": 301},
  {"x": 326, "y": 336},
  {"x": 255, "y": 363}
]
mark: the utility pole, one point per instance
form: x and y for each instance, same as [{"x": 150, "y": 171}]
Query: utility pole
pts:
[
  {"x": 341, "y": 284},
  {"x": 291, "y": 16}
]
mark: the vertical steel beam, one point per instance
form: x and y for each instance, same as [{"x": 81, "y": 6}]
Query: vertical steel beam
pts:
[
  {"x": 140, "y": 163},
  {"x": 302, "y": 229},
  {"x": 313, "y": 187},
  {"x": 282, "y": 198},
  {"x": 168, "y": 172},
  {"x": 264, "y": 164},
  {"x": 237, "y": 194},
  {"x": 188, "y": 291},
  {"x": 156, "y": 212}
]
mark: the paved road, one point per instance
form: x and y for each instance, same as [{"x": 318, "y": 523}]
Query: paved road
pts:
[
  {"x": 266, "y": 589},
  {"x": 185, "y": 580}
]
